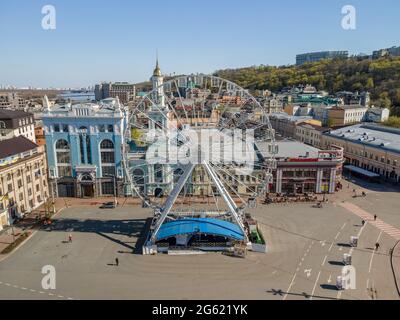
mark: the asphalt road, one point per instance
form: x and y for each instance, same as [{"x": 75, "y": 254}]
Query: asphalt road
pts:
[{"x": 306, "y": 247}]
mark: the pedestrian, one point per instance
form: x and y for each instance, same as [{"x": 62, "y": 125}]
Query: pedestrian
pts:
[
  {"x": 70, "y": 238},
  {"x": 363, "y": 223},
  {"x": 375, "y": 217},
  {"x": 116, "y": 261},
  {"x": 377, "y": 245}
]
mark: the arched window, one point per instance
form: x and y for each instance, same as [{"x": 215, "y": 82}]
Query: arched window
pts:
[
  {"x": 62, "y": 144},
  {"x": 2, "y": 125},
  {"x": 106, "y": 144},
  {"x": 107, "y": 153},
  {"x": 63, "y": 158},
  {"x": 177, "y": 174}
]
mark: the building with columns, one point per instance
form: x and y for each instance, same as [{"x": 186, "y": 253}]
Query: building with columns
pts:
[
  {"x": 84, "y": 147},
  {"x": 304, "y": 169}
]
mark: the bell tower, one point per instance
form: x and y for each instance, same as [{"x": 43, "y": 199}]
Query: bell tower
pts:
[{"x": 157, "y": 80}]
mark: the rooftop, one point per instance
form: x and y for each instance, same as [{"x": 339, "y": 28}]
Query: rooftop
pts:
[
  {"x": 350, "y": 106},
  {"x": 289, "y": 149},
  {"x": 14, "y": 146},
  {"x": 375, "y": 136},
  {"x": 309, "y": 125},
  {"x": 13, "y": 114},
  {"x": 285, "y": 116},
  {"x": 107, "y": 107}
]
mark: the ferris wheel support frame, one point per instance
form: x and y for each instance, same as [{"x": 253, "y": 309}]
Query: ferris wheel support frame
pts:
[{"x": 166, "y": 209}]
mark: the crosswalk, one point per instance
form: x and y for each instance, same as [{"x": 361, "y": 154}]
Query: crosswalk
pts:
[{"x": 368, "y": 217}]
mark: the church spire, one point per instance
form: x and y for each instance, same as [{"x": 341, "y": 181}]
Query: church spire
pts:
[{"x": 157, "y": 70}]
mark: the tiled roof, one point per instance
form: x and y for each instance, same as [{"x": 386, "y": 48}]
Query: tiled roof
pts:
[{"x": 17, "y": 145}]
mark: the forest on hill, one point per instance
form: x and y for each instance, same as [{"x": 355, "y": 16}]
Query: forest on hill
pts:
[{"x": 380, "y": 77}]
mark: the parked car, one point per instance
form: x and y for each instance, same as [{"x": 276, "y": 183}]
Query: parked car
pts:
[{"x": 108, "y": 205}]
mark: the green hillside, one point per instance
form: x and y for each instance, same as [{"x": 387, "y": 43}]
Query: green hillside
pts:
[{"x": 380, "y": 77}]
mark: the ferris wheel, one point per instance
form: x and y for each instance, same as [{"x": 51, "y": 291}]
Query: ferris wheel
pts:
[{"x": 198, "y": 147}]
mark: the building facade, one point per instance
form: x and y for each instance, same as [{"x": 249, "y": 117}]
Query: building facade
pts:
[
  {"x": 305, "y": 169},
  {"x": 15, "y": 123},
  {"x": 84, "y": 148},
  {"x": 11, "y": 100},
  {"x": 286, "y": 125},
  {"x": 23, "y": 178},
  {"x": 346, "y": 115},
  {"x": 310, "y": 134},
  {"x": 368, "y": 146},
  {"x": 126, "y": 92},
  {"x": 317, "y": 56}
]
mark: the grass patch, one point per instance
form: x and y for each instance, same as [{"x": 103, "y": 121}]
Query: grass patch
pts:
[{"x": 17, "y": 242}]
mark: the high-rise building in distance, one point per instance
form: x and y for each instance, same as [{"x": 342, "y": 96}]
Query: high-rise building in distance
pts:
[{"x": 317, "y": 56}]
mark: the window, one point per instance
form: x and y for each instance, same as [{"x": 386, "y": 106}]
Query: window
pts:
[
  {"x": 110, "y": 128},
  {"x": 37, "y": 188},
  {"x": 63, "y": 158},
  {"x": 2, "y": 125},
  {"x": 56, "y": 128},
  {"x": 107, "y": 188},
  {"x": 107, "y": 154},
  {"x": 102, "y": 128},
  {"x": 9, "y": 187},
  {"x": 107, "y": 144},
  {"x": 65, "y": 128},
  {"x": 84, "y": 146}
]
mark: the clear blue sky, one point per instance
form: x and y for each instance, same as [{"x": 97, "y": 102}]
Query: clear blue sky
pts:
[{"x": 116, "y": 40}]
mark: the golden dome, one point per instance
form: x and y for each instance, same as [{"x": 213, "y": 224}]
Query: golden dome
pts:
[{"x": 157, "y": 71}]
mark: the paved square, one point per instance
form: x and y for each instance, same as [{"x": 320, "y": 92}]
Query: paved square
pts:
[{"x": 306, "y": 247}]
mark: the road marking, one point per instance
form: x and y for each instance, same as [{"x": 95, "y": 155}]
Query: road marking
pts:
[
  {"x": 330, "y": 278},
  {"x": 326, "y": 257},
  {"x": 339, "y": 294},
  {"x": 294, "y": 276},
  {"x": 373, "y": 253},
  {"x": 378, "y": 223},
  {"x": 290, "y": 286},
  {"x": 31, "y": 290},
  {"x": 337, "y": 236},
  {"x": 308, "y": 272},
  {"x": 330, "y": 248},
  {"x": 343, "y": 226},
  {"x": 315, "y": 285}
]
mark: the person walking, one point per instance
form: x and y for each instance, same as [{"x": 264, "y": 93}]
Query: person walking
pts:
[
  {"x": 377, "y": 245},
  {"x": 363, "y": 223},
  {"x": 116, "y": 262},
  {"x": 375, "y": 217},
  {"x": 70, "y": 238}
]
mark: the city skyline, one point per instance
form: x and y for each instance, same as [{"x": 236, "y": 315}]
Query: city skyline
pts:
[{"x": 90, "y": 43}]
